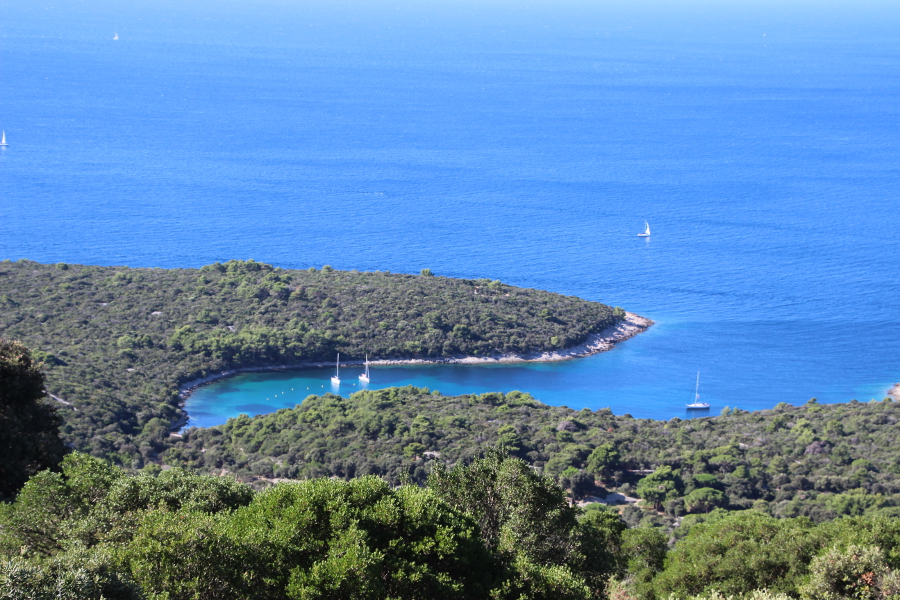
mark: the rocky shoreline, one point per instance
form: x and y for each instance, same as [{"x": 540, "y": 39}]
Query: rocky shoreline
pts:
[
  {"x": 596, "y": 343},
  {"x": 894, "y": 392}
]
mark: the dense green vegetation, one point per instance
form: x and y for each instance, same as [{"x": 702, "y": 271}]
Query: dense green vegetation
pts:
[
  {"x": 29, "y": 426},
  {"x": 117, "y": 342},
  {"x": 399, "y": 493},
  {"x": 493, "y": 529},
  {"x": 94, "y": 531},
  {"x": 490, "y": 527},
  {"x": 847, "y": 558},
  {"x": 819, "y": 461}
]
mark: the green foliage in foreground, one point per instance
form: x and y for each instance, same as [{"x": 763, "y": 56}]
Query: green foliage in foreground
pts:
[
  {"x": 849, "y": 558},
  {"x": 93, "y": 530},
  {"x": 117, "y": 342},
  {"x": 490, "y": 530},
  {"x": 29, "y": 426},
  {"x": 820, "y": 461}
]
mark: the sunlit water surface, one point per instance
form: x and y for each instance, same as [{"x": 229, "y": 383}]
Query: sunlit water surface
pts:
[{"x": 521, "y": 141}]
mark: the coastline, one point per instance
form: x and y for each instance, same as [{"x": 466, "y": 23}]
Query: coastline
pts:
[
  {"x": 894, "y": 392},
  {"x": 595, "y": 344}
]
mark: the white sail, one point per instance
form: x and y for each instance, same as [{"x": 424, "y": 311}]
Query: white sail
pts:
[
  {"x": 115, "y": 37},
  {"x": 337, "y": 371},
  {"x": 365, "y": 376},
  {"x": 696, "y": 403},
  {"x": 3, "y": 139},
  {"x": 646, "y": 231}
]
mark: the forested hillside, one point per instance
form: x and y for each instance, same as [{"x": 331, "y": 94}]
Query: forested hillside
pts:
[
  {"x": 489, "y": 526},
  {"x": 117, "y": 342},
  {"x": 491, "y": 530},
  {"x": 820, "y": 461}
]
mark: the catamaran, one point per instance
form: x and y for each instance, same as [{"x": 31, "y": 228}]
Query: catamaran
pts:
[
  {"x": 365, "y": 376},
  {"x": 3, "y": 139},
  {"x": 336, "y": 379},
  {"x": 696, "y": 404},
  {"x": 646, "y": 231}
]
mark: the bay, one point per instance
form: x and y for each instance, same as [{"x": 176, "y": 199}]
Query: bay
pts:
[{"x": 525, "y": 142}]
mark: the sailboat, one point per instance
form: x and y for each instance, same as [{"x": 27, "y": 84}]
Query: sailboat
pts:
[
  {"x": 646, "y": 231},
  {"x": 115, "y": 37},
  {"x": 696, "y": 404},
  {"x": 3, "y": 139},
  {"x": 365, "y": 376},
  {"x": 336, "y": 379}
]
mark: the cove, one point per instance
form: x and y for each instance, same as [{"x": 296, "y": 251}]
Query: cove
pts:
[
  {"x": 265, "y": 392},
  {"x": 650, "y": 376}
]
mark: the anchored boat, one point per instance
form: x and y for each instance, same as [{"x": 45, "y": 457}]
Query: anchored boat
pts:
[
  {"x": 696, "y": 404},
  {"x": 336, "y": 379},
  {"x": 365, "y": 376}
]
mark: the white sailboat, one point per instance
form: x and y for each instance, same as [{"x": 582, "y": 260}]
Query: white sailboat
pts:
[
  {"x": 365, "y": 376},
  {"x": 115, "y": 37},
  {"x": 646, "y": 231},
  {"x": 3, "y": 139},
  {"x": 336, "y": 379},
  {"x": 696, "y": 404}
]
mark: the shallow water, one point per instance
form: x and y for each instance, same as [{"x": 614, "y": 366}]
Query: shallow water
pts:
[{"x": 525, "y": 143}]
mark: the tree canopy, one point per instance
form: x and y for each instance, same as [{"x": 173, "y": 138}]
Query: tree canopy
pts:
[
  {"x": 492, "y": 529},
  {"x": 183, "y": 536},
  {"x": 779, "y": 460},
  {"x": 29, "y": 425}
]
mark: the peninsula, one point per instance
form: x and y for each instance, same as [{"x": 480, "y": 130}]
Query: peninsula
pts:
[{"x": 120, "y": 345}]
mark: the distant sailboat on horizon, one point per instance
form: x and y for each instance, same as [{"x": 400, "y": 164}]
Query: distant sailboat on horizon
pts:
[
  {"x": 696, "y": 404},
  {"x": 365, "y": 376},
  {"x": 116, "y": 36},
  {"x": 646, "y": 231},
  {"x": 336, "y": 379},
  {"x": 3, "y": 139}
]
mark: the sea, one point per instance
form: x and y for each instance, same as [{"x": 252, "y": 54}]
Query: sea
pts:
[{"x": 522, "y": 141}]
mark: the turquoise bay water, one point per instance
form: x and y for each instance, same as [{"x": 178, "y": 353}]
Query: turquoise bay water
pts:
[
  {"x": 604, "y": 380},
  {"x": 525, "y": 142}
]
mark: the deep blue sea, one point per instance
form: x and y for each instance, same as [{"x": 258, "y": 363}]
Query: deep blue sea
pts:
[{"x": 521, "y": 141}]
